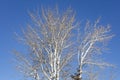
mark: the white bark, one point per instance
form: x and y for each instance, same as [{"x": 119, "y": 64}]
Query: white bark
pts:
[
  {"x": 47, "y": 39},
  {"x": 87, "y": 47}
]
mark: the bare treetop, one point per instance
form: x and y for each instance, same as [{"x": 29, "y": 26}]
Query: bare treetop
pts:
[{"x": 52, "y": 44}]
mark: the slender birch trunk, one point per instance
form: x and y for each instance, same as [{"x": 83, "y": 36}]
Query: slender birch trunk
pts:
[{"x": 47, "y": 39}]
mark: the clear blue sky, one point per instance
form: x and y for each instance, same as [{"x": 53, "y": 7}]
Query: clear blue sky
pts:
[{"x": 14, "y": 14}]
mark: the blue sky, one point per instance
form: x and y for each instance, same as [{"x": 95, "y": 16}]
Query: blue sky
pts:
[{"x": 14, "y": 15}]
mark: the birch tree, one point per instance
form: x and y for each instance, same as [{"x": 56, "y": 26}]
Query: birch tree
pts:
[
  {"x": 52, "y": 43},
  {"x": 91, "y": 44},
  {"x": 49, "y": 43}
]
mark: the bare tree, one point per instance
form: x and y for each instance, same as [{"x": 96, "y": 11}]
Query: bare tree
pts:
[
  {"x": 51, "y": 45},
  {"x": 92, "y": 43}
]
